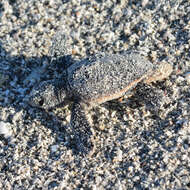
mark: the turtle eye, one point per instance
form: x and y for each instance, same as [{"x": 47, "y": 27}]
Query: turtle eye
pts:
[{"x": 41, "y": 102}]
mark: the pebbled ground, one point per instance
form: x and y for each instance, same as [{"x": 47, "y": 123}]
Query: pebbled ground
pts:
[{"x": 142, "y": 142}]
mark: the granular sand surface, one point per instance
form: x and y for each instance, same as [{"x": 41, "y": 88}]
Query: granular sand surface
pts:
[{"x": 140, "y": 143}]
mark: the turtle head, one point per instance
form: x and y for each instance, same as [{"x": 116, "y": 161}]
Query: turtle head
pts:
[{"x": 48, "y": 94}]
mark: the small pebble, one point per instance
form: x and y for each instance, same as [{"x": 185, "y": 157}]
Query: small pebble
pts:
[
  {"x": 5, "y": 129},
  {"x": 54, "y": 148},
  {"x": 119, "y": 155}
]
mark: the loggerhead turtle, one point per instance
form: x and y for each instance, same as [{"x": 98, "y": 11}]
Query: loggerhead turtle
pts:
[{"x": 91, "y": 82}]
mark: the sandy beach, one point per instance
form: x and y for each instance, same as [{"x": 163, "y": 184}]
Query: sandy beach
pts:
[{"x": 139, "y": 145}]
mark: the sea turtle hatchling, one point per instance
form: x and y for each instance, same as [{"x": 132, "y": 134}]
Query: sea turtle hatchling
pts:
[{"x": 91, "y": 82}]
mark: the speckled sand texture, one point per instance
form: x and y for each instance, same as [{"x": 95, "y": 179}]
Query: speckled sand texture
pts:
[{"x": 140, "y": 144}]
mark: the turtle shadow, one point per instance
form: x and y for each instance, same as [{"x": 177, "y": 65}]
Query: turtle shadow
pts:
[
  {"x": 58, "y": 127},
  {"x": 16, "y": 87}
]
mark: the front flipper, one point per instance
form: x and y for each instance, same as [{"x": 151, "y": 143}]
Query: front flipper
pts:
[{"x": 81, "y": 129}]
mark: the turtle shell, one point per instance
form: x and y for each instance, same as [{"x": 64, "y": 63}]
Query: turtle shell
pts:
[{"x": 106, "y": 77}]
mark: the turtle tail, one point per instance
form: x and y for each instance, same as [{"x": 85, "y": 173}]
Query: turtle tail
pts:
[{"x": 161, "y": 71}]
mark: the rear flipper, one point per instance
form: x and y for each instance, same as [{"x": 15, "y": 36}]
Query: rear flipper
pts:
[
  {"x": 129, "y": 93},
  {"x": 81, "y": 130}
]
